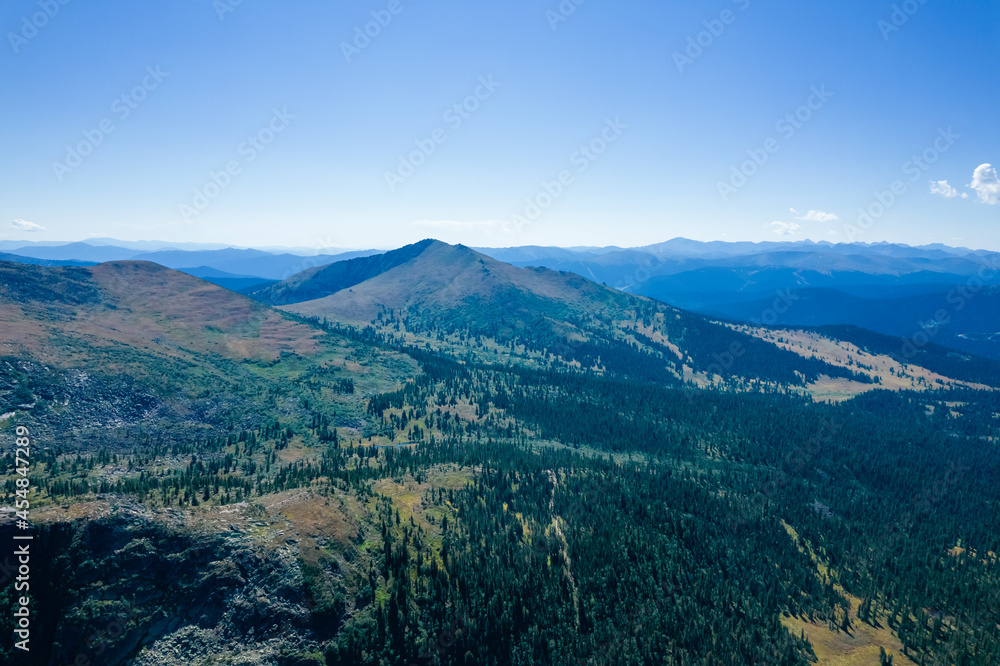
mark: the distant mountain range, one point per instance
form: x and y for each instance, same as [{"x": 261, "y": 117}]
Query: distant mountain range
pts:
[
  {"x": 453, "y": 297},
  {"x": 19, "y": 259},
  {"x": 229, "y": 262},
  {"x": 944, "y": 294},
  {"x": 948, "y": 295},
  {"x": 155, "y": 246}
]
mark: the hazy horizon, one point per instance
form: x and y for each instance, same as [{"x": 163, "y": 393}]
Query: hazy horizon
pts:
[{"x": 157, "y": 245}]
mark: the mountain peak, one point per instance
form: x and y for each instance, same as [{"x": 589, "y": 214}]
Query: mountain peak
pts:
[
  {"x": 322, "y": 281},
  {"x": 433, "y": 279}
]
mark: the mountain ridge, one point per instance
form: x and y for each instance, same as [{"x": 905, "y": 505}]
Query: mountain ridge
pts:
[{"x": 435, "y": 293}]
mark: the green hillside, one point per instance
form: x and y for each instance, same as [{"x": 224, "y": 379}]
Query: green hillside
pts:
[
  {"x": 546, "y": 318},
  {"x": 216, "y": 481}
]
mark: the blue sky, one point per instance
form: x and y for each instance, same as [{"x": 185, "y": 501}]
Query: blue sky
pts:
[{"x": 599, "y": 123}]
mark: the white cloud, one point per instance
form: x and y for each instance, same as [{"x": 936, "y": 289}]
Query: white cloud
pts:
[
  {"x": 24, "y": 225},
  {"x": 986, "y": 183},
  {"x": 784, "y": 228},
  {"x": 814, "y": 216},
  {"x": 943, "y": 188}
]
